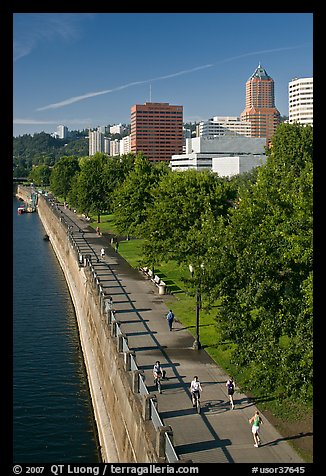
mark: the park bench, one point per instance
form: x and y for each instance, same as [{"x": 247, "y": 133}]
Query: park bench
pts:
[{"x": 155, "y": 279}]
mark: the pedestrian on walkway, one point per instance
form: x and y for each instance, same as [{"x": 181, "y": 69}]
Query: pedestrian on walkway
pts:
[
  {"x": 116, "y": 246},
  {"x": 170, "y": 318},
  {"x": 97, "y": 230},
  {"x": 230, "y": 387},
  {"x": 195, "y": 389},
  {"x": 256, "y": 421},
  {"x": 102, "y": 253}
]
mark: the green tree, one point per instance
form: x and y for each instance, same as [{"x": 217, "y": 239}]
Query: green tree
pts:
[
  {"x": 116, "y": 169},
  {"x": 92, "y": 181},
  {"x": 183, "y": 202},
  {"x": 262, "y": 267},
  {"x": 72, "y": 196},
  {"x": 134, "y": 195},
  {"x": 40, "y": 175},
  {"x": 62, "y": 174}
]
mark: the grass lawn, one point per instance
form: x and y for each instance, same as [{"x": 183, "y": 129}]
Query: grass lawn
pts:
[{"x": 107, "y": 224}]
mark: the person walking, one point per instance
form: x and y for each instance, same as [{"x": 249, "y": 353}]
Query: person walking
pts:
[
  {"x": 102, "y": 253},
  {"x": 256, "y": 421},
  {"x": 116, "y": 246},
  {"x": 230, "y": 387},
  {"x": 170, "y": 318},
  {"x": 195, "y": 389},
  {"x": 157, "y": 373}
]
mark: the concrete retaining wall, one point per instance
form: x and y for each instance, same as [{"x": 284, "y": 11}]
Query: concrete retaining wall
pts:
[
  {"x": 24, "y": 193},
  {"x": 124, "y": 433}
]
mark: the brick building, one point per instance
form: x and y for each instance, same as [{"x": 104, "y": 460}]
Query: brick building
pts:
[{"x": 157, "y": 130}]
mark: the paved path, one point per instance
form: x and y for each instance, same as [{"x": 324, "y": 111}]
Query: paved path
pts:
[{"x": 218, "y": 434}]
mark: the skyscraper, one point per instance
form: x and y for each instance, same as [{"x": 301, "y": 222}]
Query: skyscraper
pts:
[
  {"x": 260, "y": 107},
  {"x": 156, "y": 130}
]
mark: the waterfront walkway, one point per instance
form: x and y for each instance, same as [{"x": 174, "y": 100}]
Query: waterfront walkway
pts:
[{"x": 219, "y": 434}]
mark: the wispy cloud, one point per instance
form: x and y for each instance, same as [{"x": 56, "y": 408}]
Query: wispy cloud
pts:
[
  {"x": 74, "y": 99},
  {"x": 32, "y": 29},
  {"x": 260, "y": 52},
  {"x": 82, "y": 97},
  {"x": 32, "y": 121}
]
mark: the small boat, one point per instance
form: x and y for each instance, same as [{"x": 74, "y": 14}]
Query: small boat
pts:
[
  {"x": 46, "y": 237},
  {"x": 21, "y": 210}
]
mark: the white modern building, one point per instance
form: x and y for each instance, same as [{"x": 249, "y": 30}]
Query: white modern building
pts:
[
  {"x": 125, "y": 145},
  {"x": 114, "y": 147},
  {"x": 238, "y": 154},
  {"x": 62, "y": 132},
  {"x": 301, "y": 101},
  {"x": 224, "y": 125},
  {"x": 235, "y": 165},
  {"x": 106, "y": 145},
  {"x": 95, "y": 142},
  {"x": 116, "y": 129}
]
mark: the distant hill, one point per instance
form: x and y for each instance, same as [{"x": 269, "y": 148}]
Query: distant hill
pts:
[{"x": 43, "y": 149}]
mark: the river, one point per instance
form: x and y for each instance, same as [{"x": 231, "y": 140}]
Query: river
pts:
[{"x": 52, "y": 413}]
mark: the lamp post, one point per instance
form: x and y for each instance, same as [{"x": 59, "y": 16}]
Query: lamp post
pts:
[{"x": 196, "y": 345}]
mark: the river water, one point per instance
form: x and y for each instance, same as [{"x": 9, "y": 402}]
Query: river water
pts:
[{"x": 52, "y": 413}]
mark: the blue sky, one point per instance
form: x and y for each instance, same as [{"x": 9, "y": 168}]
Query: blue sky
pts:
[{"x": 87, "y": 69}]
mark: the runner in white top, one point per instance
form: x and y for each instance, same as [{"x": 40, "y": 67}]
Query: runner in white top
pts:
[{"x": 195, "y": 388}]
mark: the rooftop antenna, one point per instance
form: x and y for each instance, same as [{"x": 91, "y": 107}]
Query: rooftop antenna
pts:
[{"x": 150, "y": 93}]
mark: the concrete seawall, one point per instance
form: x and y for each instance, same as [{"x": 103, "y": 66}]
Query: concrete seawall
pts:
[{"x": 125, "y": 434}]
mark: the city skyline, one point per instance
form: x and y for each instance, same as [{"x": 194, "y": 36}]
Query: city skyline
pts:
[{"x": 99, "y": 65}]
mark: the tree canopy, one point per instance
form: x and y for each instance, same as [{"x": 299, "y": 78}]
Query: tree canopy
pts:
[
  {"x": 183, "y": 202},
  {"x": 261, "y": 267},
  {"x": 62, "y": 174},
  {"x": 135, "y": 195}
]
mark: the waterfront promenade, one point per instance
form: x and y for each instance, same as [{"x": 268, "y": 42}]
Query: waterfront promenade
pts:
[{"x": 218, "y": 434}]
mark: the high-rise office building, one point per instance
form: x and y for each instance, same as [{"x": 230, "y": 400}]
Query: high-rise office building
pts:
[
  {"x": 301, "y": 95},
  {"x": 156, "y": 130},
  {"x": 260, "y": 107}
]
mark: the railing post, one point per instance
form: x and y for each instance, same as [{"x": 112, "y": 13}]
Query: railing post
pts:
[
  {"x": 87, "y": 260},
  {"x": 135, "y": 380},
  {"x": 120, "y": 339},
  {"x": 113, "y": 328},
  {"x": 107, "y": 304},
  {"x": 160, "y": 439},
  {"x": 147, "y": 405},
  {"x": 127, "y": 359},
  {"x": 102, "y": 302}
]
